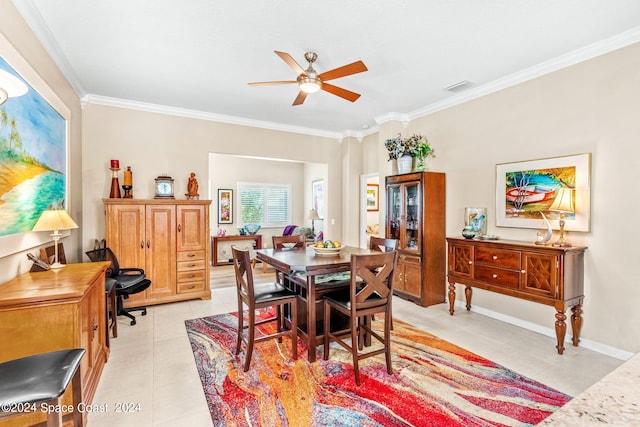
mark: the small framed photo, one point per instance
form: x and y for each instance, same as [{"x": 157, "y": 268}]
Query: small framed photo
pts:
[
  {"x": 225, "y": 206},
  {"x": 373, "y": 197}
]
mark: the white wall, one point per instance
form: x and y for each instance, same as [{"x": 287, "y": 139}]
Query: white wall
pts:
[{"x": 591, "y": 107}]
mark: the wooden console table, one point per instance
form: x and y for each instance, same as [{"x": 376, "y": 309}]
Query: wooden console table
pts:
[
  {"x": 544, "y": 274},
  {"x": 55, "y": 310},
  {"x": 257, "y": 238}
]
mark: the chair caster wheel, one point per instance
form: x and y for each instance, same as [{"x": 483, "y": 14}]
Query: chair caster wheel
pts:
[
  {"x": 133, "y": 322},
  {"x": 144, "y": 312}
]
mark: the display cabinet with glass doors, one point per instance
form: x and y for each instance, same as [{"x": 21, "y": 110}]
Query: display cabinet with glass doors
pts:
[{"x": 415, "y": 216}]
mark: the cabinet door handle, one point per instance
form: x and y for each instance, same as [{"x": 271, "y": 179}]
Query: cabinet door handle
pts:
[
  {"x": 191, "y": 276},
  {"x": 494, "y": 257},
  {"x": 141, "y": 244},
  {"x": 191, "y": 255},
  {"x": 191, "y": 286},
  {"x": 148, "y": 243},
  {"x": 470, "y": 262},
  {"x": 523, "y": 271},
  {"x": 495, "y": 276},
  {"x": 192, "y": 265},
  {"x": 179, "y": 228}
]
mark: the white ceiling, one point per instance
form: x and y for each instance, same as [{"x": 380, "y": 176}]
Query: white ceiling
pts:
[{"x": 195, "y": 57}]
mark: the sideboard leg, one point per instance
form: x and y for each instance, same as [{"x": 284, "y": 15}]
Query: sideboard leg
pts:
[
  {"x": 576, "y": 323},
  {"x": 561, "y": 327},
  {"x": 468, "y": 292},
  {"x": 452, "y": 297}
]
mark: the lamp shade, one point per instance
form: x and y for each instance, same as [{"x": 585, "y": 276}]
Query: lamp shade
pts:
[
  {"x": 10, "y": 86},
  {"x": 313, "y": 214},
  {"x": 564, "y": 201},
  {"x": 54, "y": 220}
]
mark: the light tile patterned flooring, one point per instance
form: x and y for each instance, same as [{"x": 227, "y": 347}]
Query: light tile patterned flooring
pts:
[{"x": 151, "y": 377}]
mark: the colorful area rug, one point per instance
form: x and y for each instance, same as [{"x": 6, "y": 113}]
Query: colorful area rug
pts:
[{"x": 434, "y": 383}]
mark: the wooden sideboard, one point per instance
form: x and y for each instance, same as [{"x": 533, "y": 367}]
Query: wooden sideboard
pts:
[
  {"x": 257, "y": 244},
  {"x": 544, "y": 274},
  {"x": 55, "y": 310}
]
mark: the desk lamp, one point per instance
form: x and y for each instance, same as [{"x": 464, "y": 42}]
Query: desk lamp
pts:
[
  {"x": 564, "y": 204},
  {"x": 55, "y": 220}
]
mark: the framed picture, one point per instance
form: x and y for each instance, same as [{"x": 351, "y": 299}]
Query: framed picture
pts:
[
  {"x": 554, "y": 186},
  {"x": 317, "y": 197},
  {"x": 34, "y": 152},
  {"x": 225, "y": 206},
  {"x": 373, "y": 197}
]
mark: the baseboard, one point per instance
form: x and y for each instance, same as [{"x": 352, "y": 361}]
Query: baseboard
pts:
[{"x": 591, "y": 345}]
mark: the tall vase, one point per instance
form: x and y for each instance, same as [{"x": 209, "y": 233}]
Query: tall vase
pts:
[{"x": 404, "y": 164}]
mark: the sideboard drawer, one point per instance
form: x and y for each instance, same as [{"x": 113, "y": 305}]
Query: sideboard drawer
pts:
[
  {"x": 498, "y": 257},
  {"x": 497, "y": 276}
]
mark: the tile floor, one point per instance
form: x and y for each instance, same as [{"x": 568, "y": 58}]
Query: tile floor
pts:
[{"x": 151, "y": 377}]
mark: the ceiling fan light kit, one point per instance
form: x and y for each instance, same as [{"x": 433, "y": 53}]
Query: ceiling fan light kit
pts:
[{"x": 309, "y": 81}]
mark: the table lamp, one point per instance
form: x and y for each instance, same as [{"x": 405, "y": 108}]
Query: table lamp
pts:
[
  {"x": 563, "y": 204},
  {"x": 313, "y": 216},
  {"x": 55, "y": 220}
]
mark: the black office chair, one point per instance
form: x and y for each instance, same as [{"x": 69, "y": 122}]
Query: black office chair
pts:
[
  {"x": 129, "y": 281},
  {"x": 42, "y": 378}
]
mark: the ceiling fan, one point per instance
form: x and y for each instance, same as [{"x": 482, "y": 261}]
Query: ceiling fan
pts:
[{"x": 310, "y": 81}]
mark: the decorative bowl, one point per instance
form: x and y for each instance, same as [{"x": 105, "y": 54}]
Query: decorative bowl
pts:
[
  {"x": 252, "y": 228},
  {"x": 327, "y": 251}
]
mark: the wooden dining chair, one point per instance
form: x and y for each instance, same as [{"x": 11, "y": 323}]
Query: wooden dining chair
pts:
[
  {"x": 370, "y": 292},
  {"x": 261, "y": 296},
  {"x": 381, "y": 244},
  {"x": 287, "y": 242}
]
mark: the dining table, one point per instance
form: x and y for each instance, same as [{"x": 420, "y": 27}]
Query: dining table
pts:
[{"x": 313, "y": 275}]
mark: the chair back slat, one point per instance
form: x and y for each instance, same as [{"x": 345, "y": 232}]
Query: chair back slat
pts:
[
  {"x": 383, "y": 245},
  {"x": 372, "y": 279},
  {"x": 244, "y": 273},
  {"x": 299, "y": 239}
]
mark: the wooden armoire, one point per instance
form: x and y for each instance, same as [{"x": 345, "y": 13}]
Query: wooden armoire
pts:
[{"x": 169, "y": 239}]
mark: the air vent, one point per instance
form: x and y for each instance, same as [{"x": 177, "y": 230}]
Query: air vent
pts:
[{"x": 459, "y": 87}]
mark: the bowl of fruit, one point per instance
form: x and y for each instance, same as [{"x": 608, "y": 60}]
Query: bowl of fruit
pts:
[{"x": 328, "y": 247}]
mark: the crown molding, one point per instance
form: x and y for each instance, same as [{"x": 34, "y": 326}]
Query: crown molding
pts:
[{"x": 202, "y": 115}]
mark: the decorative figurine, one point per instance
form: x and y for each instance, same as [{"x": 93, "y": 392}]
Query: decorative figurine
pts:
[
  {"x": 115, "y": 185},
  {"x": 192, "y": 188},
  {"x": 128, "y": 183},
  {"x": 543, "y": 239}
]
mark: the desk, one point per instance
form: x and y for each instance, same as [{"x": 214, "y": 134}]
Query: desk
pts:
[
  {"x": 53, "y": 310},
  {"x": 305, "y": 260},
  {"x": 257, "y": 244}
]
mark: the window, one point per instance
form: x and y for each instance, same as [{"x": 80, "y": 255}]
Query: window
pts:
[{"x": 266, "y": 204}]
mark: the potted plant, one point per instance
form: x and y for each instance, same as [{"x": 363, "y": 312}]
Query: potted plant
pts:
[
  {"x": 420, "y": 149},
  {"x": 404, "y": 150}
]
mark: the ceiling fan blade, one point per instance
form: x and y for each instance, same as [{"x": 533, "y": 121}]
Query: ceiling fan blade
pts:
[
  {"x": 347, "y": 70},
  {"x": 300, "y": 98},
  {"x": 342, "y": 93},
  {"x": 290, "y": 61},
  {"x": 283, "y": 82}
]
